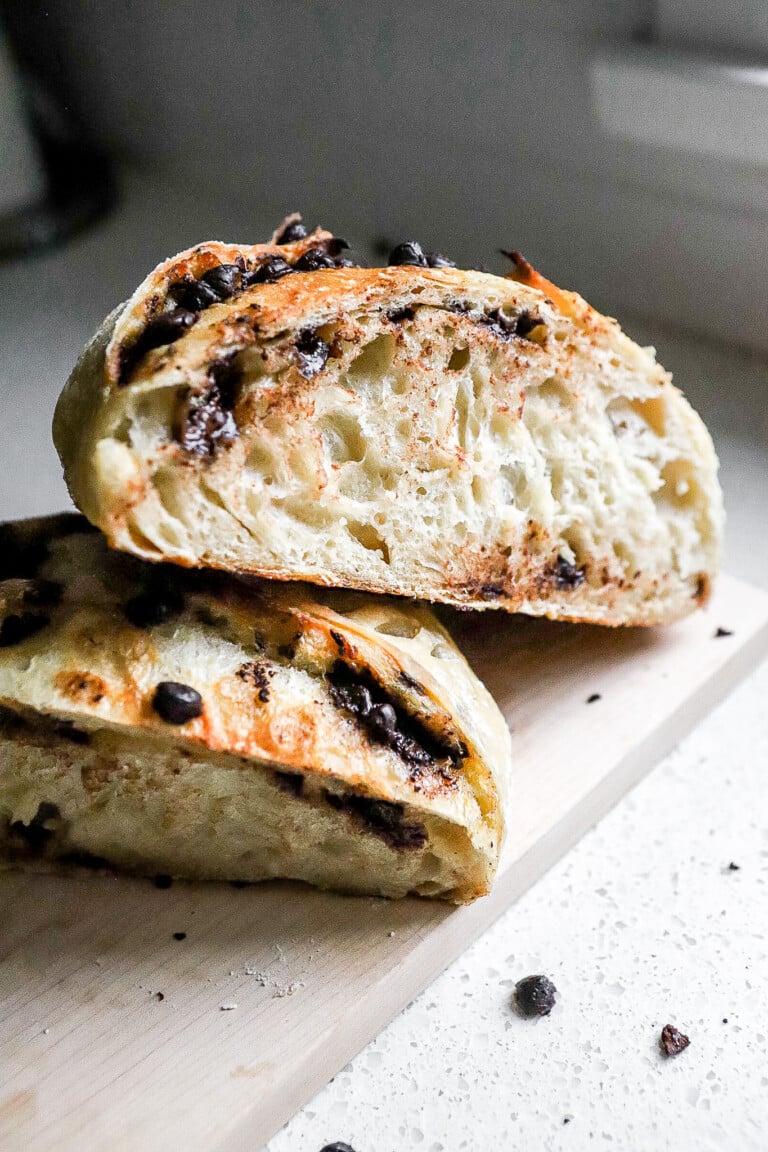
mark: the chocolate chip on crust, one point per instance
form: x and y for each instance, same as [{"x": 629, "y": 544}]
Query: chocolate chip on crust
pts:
[
  {"x": 385, "y": 721},
  {"x": 313, "y": 260},
  {"x": 271, "y": 270},
  {"x": 293, "y": 231},
  {"x": 177, "y": 703},
  {"x": 165, "y": 328},
  {"x": 409, "y": 253}
]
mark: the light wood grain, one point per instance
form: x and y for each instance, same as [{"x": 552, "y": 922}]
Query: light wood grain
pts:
[{"x": 119, "y": 1069}]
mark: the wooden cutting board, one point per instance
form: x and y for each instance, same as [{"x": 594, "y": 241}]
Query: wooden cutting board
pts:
[{"x": 117, "y": 1036}]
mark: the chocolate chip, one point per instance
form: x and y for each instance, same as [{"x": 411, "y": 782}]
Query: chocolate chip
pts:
[
  {"x": 159, "y": 996},
  {"x": 179, "y": 935},
  {"x": 410, "y": 252},
  {"x": 436, "y": 260},
  {"x": 672, "y": 1042},
  {"x": 162, "y": 329},
  {"x": 399, "y": 315},
  {"x": 593, "y": 698},
  {"x": 267, "y": 273},
  {"x": 381, "y": 818},
  {"x": 722, "y": 632},
  {"x": 334, "y": 245},
  {"x": 207, "y": 423},
  {"x": 290, "y": 782},
  {"x": 311, "y": 353},
  {"x": 177, "y": 703},
  {"x": 16, "y": 628},
  {"x": 163, "y": 881},
  {"x": 158, "y": 602},
  {"x": 67, "y": 731},
  {"x": 535, "y": 996},
  {"x": 194, "y": 295},
  {"x": 224, "y": 280},
  {"x": 259, "y": 675},
  {"x": 292, "y": 232},
  {"x": 384, "y": 721},
  {"x": 734, "y": 867},
  {"x": 313, "y": 260},
  {"x": 567, "y": 575},
  {"x": 35, "y": 834},
  {"x": 526, "y": 322}
]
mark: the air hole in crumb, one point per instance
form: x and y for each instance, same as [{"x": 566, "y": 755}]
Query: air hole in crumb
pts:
[
  {"x": 370, "y": 539},
  {"x": 459, "y": 359}
]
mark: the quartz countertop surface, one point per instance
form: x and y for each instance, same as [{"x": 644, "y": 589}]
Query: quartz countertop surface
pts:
[{"x": 643, "y": 923}]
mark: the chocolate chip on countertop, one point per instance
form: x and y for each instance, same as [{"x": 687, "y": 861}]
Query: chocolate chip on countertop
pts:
[
  {"x": 313, "y": 260},
  {"x": 179, "y": 935},
  {"x": 267, "y": 273},
  {"x": 410, "y": 252},
  {"x": 437, "y": 260},
  {"x": 177, "y": 703},
  {"x": 722, "y": 632},
  {"x": 311, "y": 353},
  {"x": 292, "y": 232},
  {"x": 16, "y": 628},
  {"x": 535, "y": 996},
  {"x": 734, "y": 867},
  {"x": 593, "y": 698},
  {"x": 672, "y": 1041},
  {"x": 162, "y": 881}
]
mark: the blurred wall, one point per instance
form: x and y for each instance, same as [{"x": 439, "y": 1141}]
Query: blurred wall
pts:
[{"x": 468, "y": 126}]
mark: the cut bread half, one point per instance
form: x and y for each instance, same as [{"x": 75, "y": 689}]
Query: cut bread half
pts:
[
  {"x": 436, "y": 433},
  {"x": 186, "y": 724}
]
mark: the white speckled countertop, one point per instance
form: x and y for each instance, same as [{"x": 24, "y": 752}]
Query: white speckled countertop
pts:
[{"x": 642, "y": 924}]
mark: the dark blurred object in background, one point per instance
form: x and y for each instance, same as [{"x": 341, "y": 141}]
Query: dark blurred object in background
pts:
[{"x": 52, "y": 181}]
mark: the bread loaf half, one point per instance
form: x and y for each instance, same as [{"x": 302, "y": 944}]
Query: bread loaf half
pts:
[{"x": 436, "y": 433}]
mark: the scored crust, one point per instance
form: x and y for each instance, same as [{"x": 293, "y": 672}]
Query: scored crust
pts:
[
  {"x": 430, "y": 432},
  {"x": 333, "y": 737}
]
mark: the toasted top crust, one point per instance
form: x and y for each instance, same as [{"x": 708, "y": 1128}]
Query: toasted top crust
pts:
[{"x": 87, "y": 634}]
